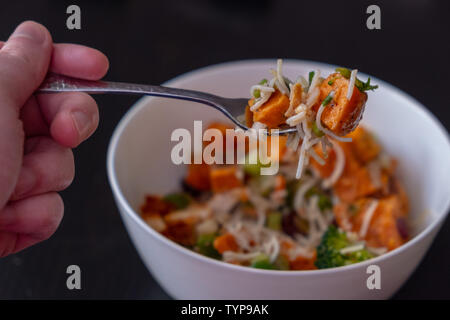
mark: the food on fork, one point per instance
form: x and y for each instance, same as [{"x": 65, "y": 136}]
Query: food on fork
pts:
[{"x": 319, "y": 108}]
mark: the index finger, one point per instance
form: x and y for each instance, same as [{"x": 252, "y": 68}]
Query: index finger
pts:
[{"x": 77, "y": 61}]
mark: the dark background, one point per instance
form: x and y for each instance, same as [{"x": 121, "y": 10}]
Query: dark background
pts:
[{"x": 153, "y": 41}]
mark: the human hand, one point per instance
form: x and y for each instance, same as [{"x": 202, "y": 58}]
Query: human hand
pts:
[{"x": 37, "y": 132}]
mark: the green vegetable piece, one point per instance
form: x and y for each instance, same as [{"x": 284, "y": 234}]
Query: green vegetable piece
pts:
[
  {"x": 257, "y": 92},
  {"x": 179, "y": 200},
  {"x": 319, "y": 133},
  {"x": 346, "y": 73},
  {"x": 311, "y": 76},
  {"x": 287, "y": 81},
  {"x": 331, "y": 82},
  {"x": 205, "y": 245},
  {"x": 328, "y": 251},
  {"x": 327, "y": 100},
  {"x": 324, "y": 203},
  {"x": 262, "y": 262},
  {"x": 362, "y": 86},
  {"x": 312, "y": 192},
  {"x": 281, "y": 263},
  {"x": 274, "y": 220},
  {"x": 253, "y": 169}
]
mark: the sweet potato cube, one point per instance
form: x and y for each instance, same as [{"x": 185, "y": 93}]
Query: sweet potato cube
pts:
[
  {"x": 198, "y": 176},
  {"x": 303, "y": 263},
  {"x": 325, "y": 170},
  {"x": 224, "y": 178},
  {"x": 225, "y": 242},
  {"x": 364, "y": 145},
  {"x": 341, "y": 115},
  {"x": 272, "y": 112}
]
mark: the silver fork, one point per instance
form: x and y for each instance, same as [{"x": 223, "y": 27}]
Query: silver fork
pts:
[{"x": 230, "y": 107}]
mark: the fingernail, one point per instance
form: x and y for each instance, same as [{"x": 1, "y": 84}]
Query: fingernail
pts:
[
  {"x": 32, "y": 31},
  {"x": 27, "y": 182},
  {"x": 82, "y": 121}
]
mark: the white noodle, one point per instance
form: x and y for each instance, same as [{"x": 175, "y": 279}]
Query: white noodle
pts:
[
  {"x": 352, "y": 248},
  {"x": 312, "y": 97},
  {"x": 351, "y": 84},
  {"x": 281, "y": 83},
  {"x": 276, "y": 249},
  {"x": 265, "y": 95},
  {"x": 261, "y": 88},
  {"x": 339, "y": 165},
  {"x": 315, "y": 81},
  {"x": 316, "y": 157},
  {"x": 300, "y": 194},
  {"x": 367, "y": 218},
  {"x": 296, "y": 119}
]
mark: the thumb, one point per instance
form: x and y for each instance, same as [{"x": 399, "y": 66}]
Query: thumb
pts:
[{"x": 24, "y": 60}]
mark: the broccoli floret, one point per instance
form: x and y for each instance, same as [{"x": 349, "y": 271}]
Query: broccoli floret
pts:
[{"x": 328, "y": 252}]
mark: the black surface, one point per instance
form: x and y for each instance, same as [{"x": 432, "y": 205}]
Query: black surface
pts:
[{"x": 153, "y": 41}]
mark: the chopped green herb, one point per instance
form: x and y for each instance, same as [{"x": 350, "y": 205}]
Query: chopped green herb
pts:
[
  {"x": 257, "y": 92},
  {"x": 362, "y": 86},
  {"x": 179, "y": 200},
  {"x": 319, "y": 133},
  {"x": 365, "y": 86},
  {"x": 327, "y": 100},
  {"x": 287, "y": 81},
  {"x": 311, "y": 76},
  {"x": 331, "y": 82}
]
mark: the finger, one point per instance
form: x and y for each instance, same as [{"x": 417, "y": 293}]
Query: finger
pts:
[
  {"x": 26, "y": 222},
  {"x": 72, "y": 117},
  {"x": 78, "y": 61},
  {"x": 24, "y": 59},
  {"x": 34, "y": 123},
  {"x": 47, "y": 167}
]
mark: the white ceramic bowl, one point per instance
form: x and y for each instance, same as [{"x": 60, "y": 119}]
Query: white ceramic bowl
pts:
[{"x": 139, "y": 163}]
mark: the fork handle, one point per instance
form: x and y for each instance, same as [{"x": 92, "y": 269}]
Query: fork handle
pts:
[{"x": 55, "y": 83}]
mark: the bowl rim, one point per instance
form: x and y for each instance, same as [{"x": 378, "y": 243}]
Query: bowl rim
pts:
[{"x": 142, "y": 102}]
